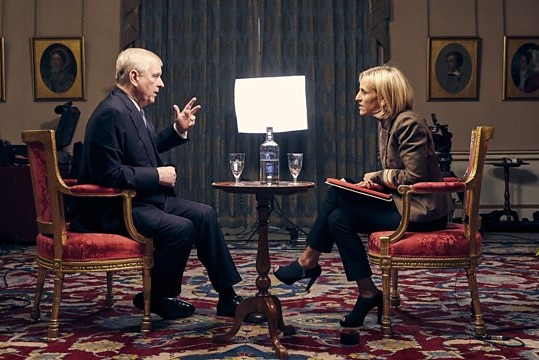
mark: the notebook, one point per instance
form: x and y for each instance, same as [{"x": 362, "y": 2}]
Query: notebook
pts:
[{"x": 379, "y": 192}]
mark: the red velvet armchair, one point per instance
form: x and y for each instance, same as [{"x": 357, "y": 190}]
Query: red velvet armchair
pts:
[
  {"x": 66, "y": 252},
  {"x": 459, "y": 246}
]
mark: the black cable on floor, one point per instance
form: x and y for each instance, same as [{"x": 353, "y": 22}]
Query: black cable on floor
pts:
[
  {"x": 11, "y": 302},
  {"x": 500, "y": 340},
  {"x": 489, "y": 338}
]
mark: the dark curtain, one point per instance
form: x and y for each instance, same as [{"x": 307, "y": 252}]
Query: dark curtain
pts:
[{"x": 206, "y": 45}]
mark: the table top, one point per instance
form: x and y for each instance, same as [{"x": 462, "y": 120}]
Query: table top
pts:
[{"x": 255, "y": 187}]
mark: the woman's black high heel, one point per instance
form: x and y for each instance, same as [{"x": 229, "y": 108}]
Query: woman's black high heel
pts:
[
  {"x": 293, "y": 272},
  {"x": 361, "y": 309}
]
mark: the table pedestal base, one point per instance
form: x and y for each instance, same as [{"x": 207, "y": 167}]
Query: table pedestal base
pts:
[
  {"x": 263, "y": 302},
  {"x": 271, "y": 307},
  {"x": 495, "y": 218},
  {"x": 498, "y": 215}
]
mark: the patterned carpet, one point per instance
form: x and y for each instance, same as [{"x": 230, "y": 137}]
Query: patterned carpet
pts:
[{"x": 434, "y": 321}]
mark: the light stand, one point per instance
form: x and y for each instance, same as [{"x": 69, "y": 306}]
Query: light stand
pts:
[
  {"x": 294, "y": 230},
  {"x": 259, "y": 103}
]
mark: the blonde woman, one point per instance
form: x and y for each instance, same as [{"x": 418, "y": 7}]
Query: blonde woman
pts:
[{"x": 407, "y": 156}]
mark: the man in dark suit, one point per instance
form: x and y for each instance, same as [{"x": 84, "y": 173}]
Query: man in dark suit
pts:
[{"x": 121, "y": 150}]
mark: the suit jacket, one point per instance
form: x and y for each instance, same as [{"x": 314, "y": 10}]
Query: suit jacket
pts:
[
  {"x": 408, "y": 156},
  {"x": 120, "y": 152}
]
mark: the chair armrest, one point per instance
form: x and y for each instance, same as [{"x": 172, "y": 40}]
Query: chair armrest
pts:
[
  {"x": 99, "y": 191},
  {"x": 408, "y": 191},
  {"x": 71, "y": 182},
  {"x": 451, "y": 179},
  {"x": 92, "y": 190},
  {"x": 437, "y": 187}
]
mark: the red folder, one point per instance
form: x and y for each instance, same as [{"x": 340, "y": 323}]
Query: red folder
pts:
[{"x": 380, "y": 193}]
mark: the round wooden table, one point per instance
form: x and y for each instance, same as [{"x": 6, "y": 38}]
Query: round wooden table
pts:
[
  {"x": 263, "y": 302},
  {"x": 510, "y": 214}
]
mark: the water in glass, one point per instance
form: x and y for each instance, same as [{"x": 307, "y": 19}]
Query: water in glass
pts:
[
  {"x": 295, "y": 162},
  {"x": 237, "y": 161}
]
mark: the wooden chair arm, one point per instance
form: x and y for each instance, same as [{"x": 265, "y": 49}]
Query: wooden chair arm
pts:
[
  {"x": 408, "y": 191},
  {"x": 91, "y": 190}
]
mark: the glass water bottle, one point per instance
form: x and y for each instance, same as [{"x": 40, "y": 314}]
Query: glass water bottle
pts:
[{"x": 269, "y": 159}]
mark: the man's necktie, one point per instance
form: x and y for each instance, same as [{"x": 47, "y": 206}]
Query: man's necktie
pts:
[{"x": 147, "y": 123}]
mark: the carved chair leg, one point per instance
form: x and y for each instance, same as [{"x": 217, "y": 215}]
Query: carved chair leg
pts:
[
  {"x": 109, "y": 298},
  {"x": 395, "y": 297},
  {"x": 52, "y": 333},
  {"x": 478, "y": 323},
  {"x": 36, "y": 309},
  {"x": 386, "y": 285},
  {"x": 146, "y": 324}
]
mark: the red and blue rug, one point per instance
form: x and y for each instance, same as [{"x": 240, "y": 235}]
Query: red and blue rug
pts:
[{"x": 433, "y": 323}]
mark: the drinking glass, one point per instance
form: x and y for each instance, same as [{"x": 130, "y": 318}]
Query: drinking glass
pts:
[
  {"x": 295, "y": 162},
  {"x": 237, "y": 161}
]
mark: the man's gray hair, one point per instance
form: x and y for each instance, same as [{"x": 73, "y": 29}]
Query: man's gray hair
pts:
[{"x": 132, "y": 59}]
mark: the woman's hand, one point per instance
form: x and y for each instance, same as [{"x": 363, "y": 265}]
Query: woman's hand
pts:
[{"x": 367, "y": 182}]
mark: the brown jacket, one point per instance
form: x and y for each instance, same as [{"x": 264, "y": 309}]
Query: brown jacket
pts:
[{"x": 408, "y": 156}]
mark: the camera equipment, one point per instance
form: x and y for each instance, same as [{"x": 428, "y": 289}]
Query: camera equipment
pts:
[
  {"x": 6, "y": 153},
  {"x": 65, "y": 129},
  {"x": 442, "y": 143}
]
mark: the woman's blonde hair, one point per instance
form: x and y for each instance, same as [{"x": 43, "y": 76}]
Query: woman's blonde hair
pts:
[{"x": 392, "y": 89}]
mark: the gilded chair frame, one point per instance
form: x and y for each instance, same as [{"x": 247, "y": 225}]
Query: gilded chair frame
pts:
[
  {"x": 381, "y": 255},
  {"x": 51, "y": 222}
]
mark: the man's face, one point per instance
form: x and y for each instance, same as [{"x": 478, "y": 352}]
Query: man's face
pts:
[
  {"x": 451, "y": 62},
  {"x": 148, "y": 83}
]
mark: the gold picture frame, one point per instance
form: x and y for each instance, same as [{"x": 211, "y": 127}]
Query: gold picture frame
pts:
[
  {"x": 58, "y": 68},
  {"x": 452, "y": 71},
  {"x": 2, "y": 71},
  {"x": 520, "y": 68}
]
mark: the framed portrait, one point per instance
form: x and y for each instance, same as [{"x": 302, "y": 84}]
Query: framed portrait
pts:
[
  {"x": 2, "y": 71},
  {"x": 452, "y": 71},
  {"x": 521, "y": 68},
  {"x": 58, "y": 68}
]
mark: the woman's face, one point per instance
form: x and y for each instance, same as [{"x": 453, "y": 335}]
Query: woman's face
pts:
[
  {"x": 56, "y": 62},
  {"x": 367, "y": 99}
]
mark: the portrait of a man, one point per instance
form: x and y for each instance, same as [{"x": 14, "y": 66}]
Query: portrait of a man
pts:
[
  {"x": 453, "y": 68},
  {"x": 525, "y": 68},
  {"x": 58, "y": 68}
]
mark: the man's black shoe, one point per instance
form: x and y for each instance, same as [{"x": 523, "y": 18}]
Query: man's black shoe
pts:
[
  {"x": 167, "y": 308},
  {"x": 227, "y": 307}
]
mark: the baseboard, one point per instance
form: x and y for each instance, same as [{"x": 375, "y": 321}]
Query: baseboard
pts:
[{"x": 495, "y": 225}]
